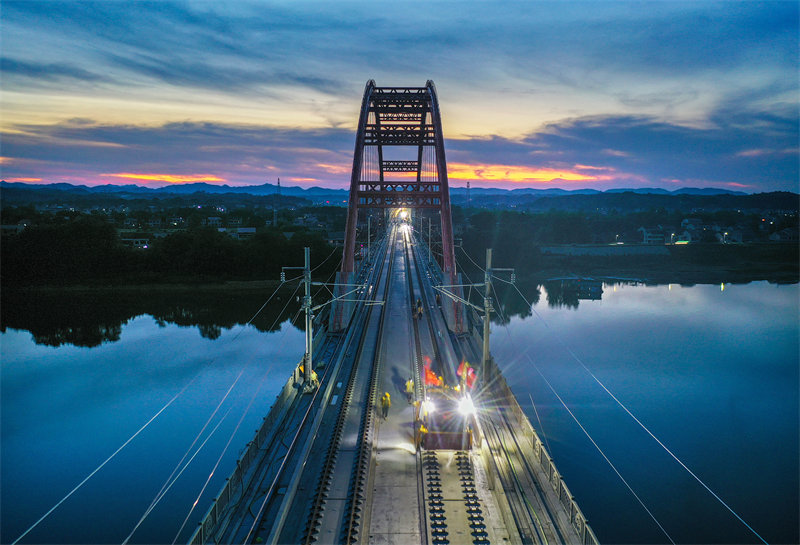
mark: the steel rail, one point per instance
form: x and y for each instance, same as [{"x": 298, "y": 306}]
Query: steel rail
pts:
[
  {"x": 333, "y": 451},
  {"x": 357, "y": 493},
  {"x": 449, "y": 372},
  {"x": 520, "y": 510},
  {"x": 357, "y": 490},
  {"x": 532, "y": 477},
  {"x": 304, "y": 446},
  {"x": 427, "y": 518}
]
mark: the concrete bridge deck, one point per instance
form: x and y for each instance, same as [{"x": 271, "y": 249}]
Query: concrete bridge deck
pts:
[{"x": 325, "y": 468}]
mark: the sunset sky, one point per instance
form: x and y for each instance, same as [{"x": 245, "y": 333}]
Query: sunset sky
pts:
[{"x": 593, "y": 94}]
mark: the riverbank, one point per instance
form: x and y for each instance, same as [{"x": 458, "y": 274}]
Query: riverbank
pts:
[
  {"x": 169, "y": 286},
  {"x": 677, "y": 264},
  {"x": 667, "y": 264}
]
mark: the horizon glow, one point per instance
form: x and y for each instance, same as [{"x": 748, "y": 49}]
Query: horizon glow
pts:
[
  {"x": 665, "y": 94},
  {"x": 169, "y": 178}
]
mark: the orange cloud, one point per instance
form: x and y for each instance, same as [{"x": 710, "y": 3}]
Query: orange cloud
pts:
[
  {"x": 170, "y": 178},
  {"x": 519, "y": 174},
  {"x": 334, "y": 169},
  {"x": 28, "y": 180}
]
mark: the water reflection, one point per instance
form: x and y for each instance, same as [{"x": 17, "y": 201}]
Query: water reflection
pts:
[
  {"x": 88, "y": 319},
  {"x": 713, "y": 376},
  {"x": 64, "y": 410}
]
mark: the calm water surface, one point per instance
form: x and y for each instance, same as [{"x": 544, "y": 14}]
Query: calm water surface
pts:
[
  {"x": 66, "y": 409},
  {"x": 712, "y": 373}
]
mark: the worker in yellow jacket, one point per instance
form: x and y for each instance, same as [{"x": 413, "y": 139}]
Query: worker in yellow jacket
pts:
[{"x": 386, "y": 402}]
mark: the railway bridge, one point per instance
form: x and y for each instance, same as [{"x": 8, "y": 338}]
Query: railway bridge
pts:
[{"x": 453, "y": 459}]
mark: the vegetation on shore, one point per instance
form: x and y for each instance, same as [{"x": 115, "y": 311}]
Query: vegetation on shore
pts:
[
  {"x": 516, "y": 240},
  {"x": 75, "y": 248},
  {"x": 88, "y": 250}
]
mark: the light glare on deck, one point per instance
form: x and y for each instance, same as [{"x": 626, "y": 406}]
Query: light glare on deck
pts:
[{"x": 466, "y": 406}]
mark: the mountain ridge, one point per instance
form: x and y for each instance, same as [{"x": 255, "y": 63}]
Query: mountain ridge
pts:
[{"x": 271, "y": 189}]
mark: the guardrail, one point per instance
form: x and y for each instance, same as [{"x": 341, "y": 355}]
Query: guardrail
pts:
[
  {"x": 236, "y": 481},
  {"x": 235, "y": 484},
  {"x": 576, "y": 517}
]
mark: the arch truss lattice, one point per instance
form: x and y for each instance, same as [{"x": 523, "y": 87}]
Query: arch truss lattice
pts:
[{"x": 399, "y": 162}]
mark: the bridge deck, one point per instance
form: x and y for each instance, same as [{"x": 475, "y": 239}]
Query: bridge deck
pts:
[{"x": 326, "y": 468}]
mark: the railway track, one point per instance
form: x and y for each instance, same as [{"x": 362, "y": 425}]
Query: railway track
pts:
[
  {"x": 322, "y": 470},
  {"x": 360, "y": 392}
]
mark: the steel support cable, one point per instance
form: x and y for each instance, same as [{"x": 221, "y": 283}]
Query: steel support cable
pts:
[
  {"x": 472, "y": 260},
  {"x": 98, "y": 468},
  {"x": 62, "y": 500},
  {"x": 330, "y": 276},
  {"x": 541, "y": 426},
  {"x": 645, "y": 428},
  {"x": 468, "y": 297},
  {"x": 170, "y": 481},
  {"x": 603, "y": 454},
  {"x": 178, "y": 469},
  {"x": 321, "y": 263}
]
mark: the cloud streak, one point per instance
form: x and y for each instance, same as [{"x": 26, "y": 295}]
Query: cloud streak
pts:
[
  {"x": 657, "y": 93},
  {"x": 169, "y": 178},
  {"x": 599, "y": 152}
]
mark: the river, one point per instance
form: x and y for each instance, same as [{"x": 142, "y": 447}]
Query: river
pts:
[{"x": 710, "y": 370}]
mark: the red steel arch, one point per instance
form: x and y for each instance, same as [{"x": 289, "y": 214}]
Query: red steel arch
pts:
[{"x": 407, "y": 119}]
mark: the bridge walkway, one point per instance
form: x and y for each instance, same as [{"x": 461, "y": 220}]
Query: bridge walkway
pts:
[{"x": 399, "y": 508}]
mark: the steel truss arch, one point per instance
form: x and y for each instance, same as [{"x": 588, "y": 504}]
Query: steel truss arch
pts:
[{"x": 406, "y": 119}]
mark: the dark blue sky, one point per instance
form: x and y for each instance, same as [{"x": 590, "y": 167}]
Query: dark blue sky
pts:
[{"x": 544, "y": 94}]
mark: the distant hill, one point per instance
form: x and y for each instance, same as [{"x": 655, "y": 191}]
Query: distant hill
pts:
[
  {"x": 181, "y": 189},
  {"x": 114, "y": 195},
  {"x": 534, "y": 200},
  {"x": 630, "y": 201},
  {"x": 271, "y": 189},
  {"x": 481, "y": 191}
]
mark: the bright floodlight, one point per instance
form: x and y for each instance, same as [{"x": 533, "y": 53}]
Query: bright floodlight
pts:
[
  {"x": 465, "y": 406},
  {"x": 403, "y": 214},
  {"x": 428, "y": 406}
]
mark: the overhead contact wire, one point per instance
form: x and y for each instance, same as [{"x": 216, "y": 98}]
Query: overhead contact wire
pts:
[
  {"x": 603, "y": 454},
  {"x": 170, "y": 481},
  {"x": 645, "y": 428},
  {"x": 222, "y": 454},
  {"x": 131, "y": 438}
]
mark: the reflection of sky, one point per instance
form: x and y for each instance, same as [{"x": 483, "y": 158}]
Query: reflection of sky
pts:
[
  {"x": 65, "y": 409},
  {"x": 713, "y": 373}
]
